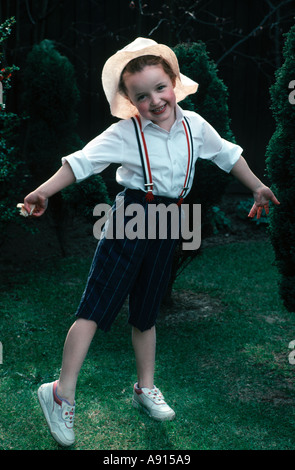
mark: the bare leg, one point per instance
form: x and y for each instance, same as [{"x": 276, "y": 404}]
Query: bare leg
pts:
[
  {"x": 75, "y": 350},
  {"x": 144, "y": 344}
]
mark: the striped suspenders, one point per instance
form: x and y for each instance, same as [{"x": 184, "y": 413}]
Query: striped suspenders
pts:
[{"x": 145, "y": 162}]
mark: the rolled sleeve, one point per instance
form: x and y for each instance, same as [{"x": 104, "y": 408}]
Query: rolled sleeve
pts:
[
  {"x": 223, "y": 153},
  {"x": 228, "y": 156},
  {"x": 97, "y": 155},
  {"x": 81, "y": 166}
]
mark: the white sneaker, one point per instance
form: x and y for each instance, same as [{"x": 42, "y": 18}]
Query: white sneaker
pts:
[
  {"x": 152, "y": 402},
  {"x": 59, "y": 417}
]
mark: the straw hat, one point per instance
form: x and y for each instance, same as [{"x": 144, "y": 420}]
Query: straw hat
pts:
[{"x": 120, "y": 105}]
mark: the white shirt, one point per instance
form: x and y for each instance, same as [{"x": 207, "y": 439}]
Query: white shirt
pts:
[{"x": 168, "y": 153}]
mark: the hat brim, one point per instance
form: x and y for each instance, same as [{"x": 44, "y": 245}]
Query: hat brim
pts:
[{"x": 120, "y": 106}]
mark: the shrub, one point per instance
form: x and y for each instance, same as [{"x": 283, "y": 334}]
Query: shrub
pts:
[
  {"x": 83, "y": 197},
  {"x": 10, "y": 161},
  {"x": 243, "y": 208},
  {"x": 51, "y": 97},
  {"x": 280, "y": 166},
  {"x": 210, "y": 102}
]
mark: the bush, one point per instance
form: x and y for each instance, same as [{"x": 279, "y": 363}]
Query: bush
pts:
[
  {"x": 83, "y": 197},
  {"x": 243, "y": 208},
  {"x": 10, "y": 161},
  {"x": 51, "y": 98},
  {"x": 210, "y": 102},
  {"x": 280, "y": 165}
]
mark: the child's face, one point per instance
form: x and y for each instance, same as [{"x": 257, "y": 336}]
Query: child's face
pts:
[{"x": 152, "y": 92}]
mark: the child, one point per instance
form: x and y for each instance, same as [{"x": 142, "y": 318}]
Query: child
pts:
[{"x": 157, "y": 151}]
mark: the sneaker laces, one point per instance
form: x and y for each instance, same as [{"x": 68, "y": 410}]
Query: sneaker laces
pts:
[
  {"x": 69, "y": 415},
  {"x": 156, "y": 395}
]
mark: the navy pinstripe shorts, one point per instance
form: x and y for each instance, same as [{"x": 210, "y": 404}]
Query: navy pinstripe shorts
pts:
[{"x": 139, "y": 268}]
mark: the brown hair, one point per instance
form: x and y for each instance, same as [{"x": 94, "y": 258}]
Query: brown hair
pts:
[{"x": 139, "y": 63}]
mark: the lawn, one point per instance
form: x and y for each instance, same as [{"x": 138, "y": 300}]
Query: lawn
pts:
[{"x": 223, "y": 365}]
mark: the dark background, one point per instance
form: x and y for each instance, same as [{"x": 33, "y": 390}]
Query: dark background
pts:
[{"x": 244, "y": 38}]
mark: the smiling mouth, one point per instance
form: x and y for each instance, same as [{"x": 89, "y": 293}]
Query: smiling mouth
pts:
[{"x": 159, "y": 110}]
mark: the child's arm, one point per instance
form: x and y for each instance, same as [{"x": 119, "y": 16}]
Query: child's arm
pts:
[
  {"x": 262, "y": 194},
  {"x": 39, "y": 198}
]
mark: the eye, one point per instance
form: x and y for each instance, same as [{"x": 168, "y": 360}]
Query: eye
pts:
[
  {"x": 161, "y": 87},
  {"x": 141, "y": 97}
]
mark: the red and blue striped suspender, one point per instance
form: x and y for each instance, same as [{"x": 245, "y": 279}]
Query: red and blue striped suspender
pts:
[{"x": 145, "y": 161}]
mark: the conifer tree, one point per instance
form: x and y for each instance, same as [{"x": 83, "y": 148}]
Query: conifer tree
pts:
[
  {"x": 51, "y": 97},
  {"x": 281, "y": 171},
  {"x": 210, "y": 102}
]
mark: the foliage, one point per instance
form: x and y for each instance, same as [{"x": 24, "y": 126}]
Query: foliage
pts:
[
  {"x": 51, "y": 98},
  {"x": 243, "y": 208},
  {"x": 210, "y": 102},
  {"x": 281, "y": 171},
  {"x": 219, "y": 220},
  {"x": 84, "y": 196},
  {"x": 10, "y": 162},
  {"x": 9, "y": 167},
  {"x": 6, "y": 28}
]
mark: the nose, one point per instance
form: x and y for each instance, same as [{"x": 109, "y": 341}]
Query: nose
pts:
[{"x": 155, "y": 100}]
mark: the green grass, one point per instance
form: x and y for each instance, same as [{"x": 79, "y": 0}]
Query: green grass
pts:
[{"x": 224, "y": 370}]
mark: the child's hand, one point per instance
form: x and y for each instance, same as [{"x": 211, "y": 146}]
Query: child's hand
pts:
[
  {"x": 262, "y": 196},
  {"x": 38, "y": 201},
  {"x": 22, "y": 210}
]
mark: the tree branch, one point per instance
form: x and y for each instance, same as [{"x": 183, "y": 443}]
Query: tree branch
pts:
[{"x": 234, "y": 46}]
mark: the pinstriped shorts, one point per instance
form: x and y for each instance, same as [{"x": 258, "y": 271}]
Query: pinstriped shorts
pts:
[{"x": 137, "y": 268}]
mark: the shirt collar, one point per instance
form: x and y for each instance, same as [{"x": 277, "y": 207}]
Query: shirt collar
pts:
[{"x": 179, "y": 118}]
